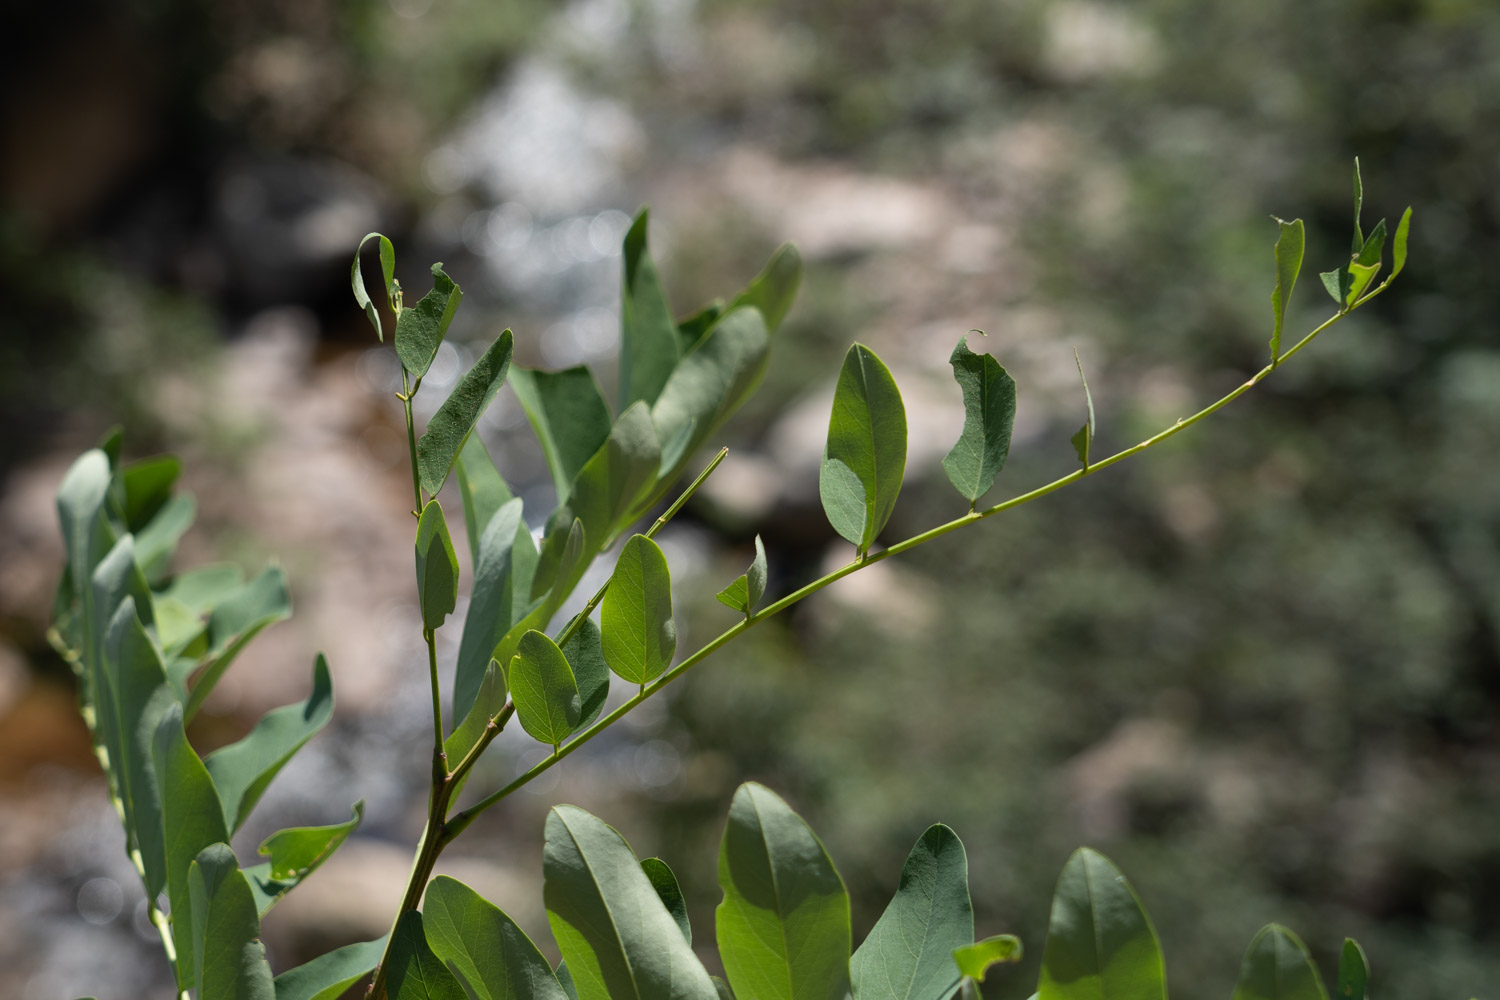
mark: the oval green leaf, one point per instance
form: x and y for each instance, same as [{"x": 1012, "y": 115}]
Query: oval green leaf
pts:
[
  {"x": 413, "y": 972},
  {"x": 421, "y": 328},
  {"x": 225, "y": 930},
  {"x": 989, "y": 415},
  {"x": 867, "y": 445},
  {"x": 437, "y": 567},
  {"x": 639, "y": 635},
  {"x": 585, "y": 654},
  {"x": 1278, "y": 967},
  {"x": 544, "y": 689},
  {"x": 783, "y": 927},
  {"x": 328, "y": 976},
  {"x": 450, "y": 426},
  {"x": 1354, "y": 972},
  {"x": 1100, "y": 943},
  {"x": 489, "y": 952}
]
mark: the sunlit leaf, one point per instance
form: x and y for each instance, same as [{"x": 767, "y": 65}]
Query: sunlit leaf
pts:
[
  {"x": 1278, "y": 967},
  {"x": 437, "y": 567},
  {"x": 449, "y": 427},
  {"x": 750, "y": 586},
  {"x": 357, "y": 281},
  {"x": 491, "y": 954},
  {"x": 783, "y": 927},
  {"x": 585, "y": 655},
  {"x": 328, "y": 976},
  {"x": 774, "y": 289},
  {"x": 639, "y": 635},
  {"x": 569, "y": 415},
  {"x": 1359, "y": 202},
  {"x": 227, "y": 952},
  {"x": 648, "y": 336},
  {"x": 544, "y": 690},
  {"x": 866, "y": 445},
  {"x": 413, "y": 972},
  {"x": 1100, "y": 943},
  {"x": 974, "y": 960},
  {"x": 1290, "y": 244},
  {"x": 1398, "y": 244},
  {"x": 295, "y": 853},
  {"x": 989, "y": 414},
  {"x": 420, "y": 328}
]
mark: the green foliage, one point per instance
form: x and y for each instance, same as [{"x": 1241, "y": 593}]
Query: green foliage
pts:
[
  {"x": 437, "y": 567},
  {"x": 450, "y": 426},
  {"x": 989, "y": 414},
  {"x": 866, "y": 452},
  {"x": 491, "y": 955},
  {"x": 544, "y": 689},
  {"x": 1099, "y": 942},
  {"x": 639, "y": 636},
  {"x": 745, "y": 592},
  {"x": 1278, "y": 967}
]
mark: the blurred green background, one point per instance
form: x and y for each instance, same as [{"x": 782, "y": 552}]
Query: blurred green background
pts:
[{"x": 1259, "y": 666}]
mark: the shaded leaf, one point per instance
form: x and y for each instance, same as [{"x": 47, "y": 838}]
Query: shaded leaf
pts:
[
  {"x": 617, "y": 938},
  {"x": 775, "y": 288},
  {"x": 544, "y": 689},
  {"x": 483, "y": 489},
  {"x": 1291, "y": 241},
  {"x": 1338, "y": 283},
  {"x": 488, "y": 702},
  {"x": 618, "y": 476},
  {"x": 569, "y": 415},
  {"x": 1083, "y": 441},
  {"x": 493, "y": 603},
  {"x": 413, "y": 972},
  {"x": 749, "y": 587},
  {"x": 242, "y": 770},
  {"x": 564, "y": 558},
  {"x": 639, "y": 635},
  {"x": 227, "y": 952},
  {"x": 783, "y": 927},
  {"x": 1374, "y": 244},
  {"x": 437, "y": 567},
  {"x": 156, "y": 541},
  {"x": 670, "y": 894},
  {"x": 203, "y": 588},
  {"x": 867, "y": 437},
  {"x": 1359, "y": 202},
  {"x": 489, "y": 952},
  {"x": 235, "y": 621},
  {"x": 1278, "y": 967},
  {"x": 585, "y": 655},
  {"x": 974, "y": 960},
  {"x": 1398, "y": 244},
  {"x": 1100, "y": 942},
  {"x": 692, "y": 329},
  {"x": 421, "y": 328},
  {"x": 648, "y": 337},
  {"x": 1354, "y": 972},
  {"x": 328, "y": 976},
  {"x": 145, "y": 487},
  {"x": 449, "y": 427},
  {"x": 388, "y": 272},
  {"x": 909, "y": 953},
  {"x": 989, "y": 414}
]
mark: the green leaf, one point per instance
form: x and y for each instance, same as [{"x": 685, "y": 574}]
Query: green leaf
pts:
[
  {"x": 357, "y": 281},
  {"x": 867, "y": 437},
  {"x": 708, "y": 384},
  {"x": 494, "y": 604},
  {"x": 1291, "y": 241},
  {"x": 783, "y": 927},
  {"x": 116, "y": 577},
  {"x": 989, "y": 414},
  {"x": 569, "y": 415},
  {"x": 619, "y": 475},
  {"x": 1398, "y": 244},
  {"x": 648, "y": 337},
  {"x": 1354, "y": 972},
  {"x": 145, "y": 487},
  {"x": 328, "y": 976},
  {"x": 437, "y": 567},
  {"x": 203, "y": 588},
  {"x": 909, "y": 953},
  {"x": 563, "y": 559},
  {"x": 1370, "y": 252},
  {"x": 565, "y": 980},
  {"x": 449, "y": 427},
  {"x": 544, "y": 689},
  {"x": 191, "y": 819},
  {"x": 774, "y": 289},
  {"x": 1083, "y": 441},
  {"x": 1360, "y": 277},
  {"x": 155, "y": 542},
  {"x": 1278, "y": 967},
  {"x": 692, "y": 329},
  {"x": 585, "y": 655},
  {"x": 749, "y": 587},
  {"x": 482, "y": 488},
  {"x": 639, "y": 635},
  {"x": 413, "y": 972},
  {"x": 670, "y": 894},
  {"x": 488, "y": 702},
  {"x": 1100, "y": 943},
  {"x": 1338, "y": 283},
  {"x": 489, "y": 952},
  {"x": 226, "y": 930},
  {"x": 421, "y": 328},
  {"x": 617, "y": 938},
  {"x": 724, "y": 992},
  {"x": 297, "y": 851},
  {"x": 80, "y": 502},
  {"x": 1359, "y": 202},
  {"x": 235, "y": 621},
  {"x": 974, "y": 960},
  {"x": 242, "y": 770}
]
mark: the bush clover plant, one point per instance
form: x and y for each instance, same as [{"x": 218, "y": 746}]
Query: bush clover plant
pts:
[{"x": 148, "y": 644}]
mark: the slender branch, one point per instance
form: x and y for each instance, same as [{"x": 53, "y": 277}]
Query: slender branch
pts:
[
  {"x": 459, "y": 821},
  {"x": 411, "y": 437},
  {"x": 439, "y": 758}
]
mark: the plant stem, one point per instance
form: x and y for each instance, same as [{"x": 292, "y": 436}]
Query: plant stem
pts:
[
  {"x": 461, "y": 820},
  {"x": 411, "y": 439},
  {"x": 439, "y": 757}
]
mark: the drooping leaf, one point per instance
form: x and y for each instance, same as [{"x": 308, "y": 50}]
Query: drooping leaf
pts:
[
  {"x": 227, "y": 952},
  {"x": 388, "y": 272},
  {"x": 909, "y": 953},
  {"x": 670, "y": 893},
  {"x": 295, "y": 852},
  {"x": 974, "y": 960},
  {"x": 867, "y": 438},
  {"x": 774, "y": 289},
  {"x": 544, "y": 690},
  {"x": 449, "y": 427},
  {"x": 648, "y": 337},
  {"x": 242, "y": 770},
  {"x": 235, "y": 621},
  {"x": 483, "y": 489},
  {"x": 1278, "y": 967},
  {"x": 328, "y": 976},
  {"x": 989, "y": 414},
  {"x": 618, "y": 476},
  {"x": 437, "y": 567},
  {"x": 491, "y": 955},
  {"x": 191, "y": 820},
  {"x": 1100, "y": 943},
  {"x": 639, "y": 635},
  {"x": 1290, "y": 244},
  {"x": 569, "y": 415},
  {"x": 783, "y": 927},
  {"x": 493, "y": 603},
  {"x": 1083, "y": 441},
  {"x": 413, "y": 972},
  {"x": 749, "y": 587},
  {"x": 617, "y": 938},
  {"x": 145, "y": 487},
  {"x": 420, "y": 328},
  {"x": 585, "y": 655},
  {"x": 1354, "y": 972}
]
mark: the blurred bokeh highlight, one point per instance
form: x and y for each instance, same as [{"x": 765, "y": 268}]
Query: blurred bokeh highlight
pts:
[{"x": 1258, "y": 666}]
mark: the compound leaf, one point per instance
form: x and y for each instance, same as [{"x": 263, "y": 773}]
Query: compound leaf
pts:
[
  {"x": 489, "y": 952},
  {"x": 449, "y": 427},
  {"x": 867, "y": 445},
  {"x": 437, "y": 567},
  {"x": 1278, "y": 967},
  {"x": 989, "y": 415},
  {"x": 1100, "y": 943},
  {"x": 421, "y": 328},
  {"x": 639, "y": 635},
  {"x": 783, "y": 927}
]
